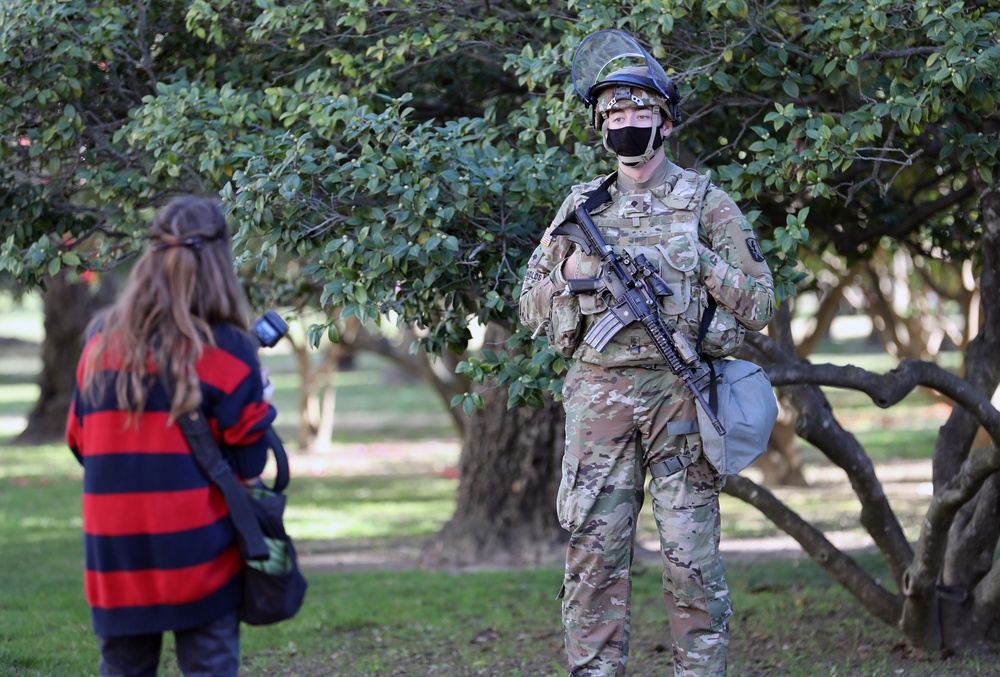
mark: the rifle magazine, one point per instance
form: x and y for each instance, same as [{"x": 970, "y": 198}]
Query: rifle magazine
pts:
[{"x": 603, "y": 331}]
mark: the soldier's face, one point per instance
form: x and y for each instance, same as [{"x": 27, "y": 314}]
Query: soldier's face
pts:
[
  {"x": 630, "y": 117},
  {"x": 642, "y": 118}
]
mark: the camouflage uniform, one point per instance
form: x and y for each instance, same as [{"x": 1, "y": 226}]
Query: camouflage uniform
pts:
[{"x": 626, "y": 413}]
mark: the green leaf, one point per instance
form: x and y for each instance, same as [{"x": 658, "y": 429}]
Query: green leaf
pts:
[{"x": 737, "y": 8}]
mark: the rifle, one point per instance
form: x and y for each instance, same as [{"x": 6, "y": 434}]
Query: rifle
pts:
[{"x": 631, "y": 287}]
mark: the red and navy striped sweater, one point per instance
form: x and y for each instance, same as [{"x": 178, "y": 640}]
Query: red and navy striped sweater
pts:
[{"x": 160, "y": 549}]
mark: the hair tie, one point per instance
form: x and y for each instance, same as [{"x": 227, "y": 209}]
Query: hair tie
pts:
[{"x": 194, "y": 242}]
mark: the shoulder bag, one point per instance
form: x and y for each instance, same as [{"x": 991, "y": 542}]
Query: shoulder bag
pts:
[
  {"x": 741, "y": 395},
  {"x": 273, "y": 587}
]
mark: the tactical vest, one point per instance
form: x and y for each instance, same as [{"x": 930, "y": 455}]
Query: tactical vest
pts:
[{"x": 663, "y": 223}]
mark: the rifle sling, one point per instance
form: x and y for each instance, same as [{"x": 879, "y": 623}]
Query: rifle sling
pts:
[{"x": 601, "y": 195}]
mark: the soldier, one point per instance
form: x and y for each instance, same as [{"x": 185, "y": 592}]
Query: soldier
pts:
[{"x": 626, "y": 412}]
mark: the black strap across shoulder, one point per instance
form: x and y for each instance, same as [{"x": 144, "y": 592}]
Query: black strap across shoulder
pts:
[
  {"x": 713, "y": 384},
  {"x": 601, "y": 195},
  {"x": 205, "y": 451}
]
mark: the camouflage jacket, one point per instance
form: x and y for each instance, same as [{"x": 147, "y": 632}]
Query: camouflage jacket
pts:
[{"x": 697, "y": 237}]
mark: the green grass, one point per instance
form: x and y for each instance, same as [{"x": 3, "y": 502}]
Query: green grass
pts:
[
  {"x": 790, "y": 619},
  {"x": 377, "y": 506}
]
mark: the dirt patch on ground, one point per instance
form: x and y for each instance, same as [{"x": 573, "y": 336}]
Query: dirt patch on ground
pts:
[
  {"x": 394, "y": 554},
  {"x": 903, "y": 481}
]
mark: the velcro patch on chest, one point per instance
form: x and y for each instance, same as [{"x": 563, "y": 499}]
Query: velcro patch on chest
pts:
[{"x": 635, "y": 204}]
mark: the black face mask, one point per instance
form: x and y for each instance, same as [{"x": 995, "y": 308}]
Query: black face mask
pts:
[{"x": 632, "y": 141}]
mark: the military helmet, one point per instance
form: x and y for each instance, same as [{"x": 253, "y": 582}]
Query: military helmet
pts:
[{"x": 632, "y": 86}]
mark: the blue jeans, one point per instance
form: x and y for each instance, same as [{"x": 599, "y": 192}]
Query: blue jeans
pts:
[{"x": 211, "y": 650}]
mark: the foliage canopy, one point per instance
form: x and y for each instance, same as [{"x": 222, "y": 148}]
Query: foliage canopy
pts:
[{"x": 401, "y": 157}]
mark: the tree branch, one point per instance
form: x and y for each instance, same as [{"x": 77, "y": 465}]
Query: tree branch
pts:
[
  {"x": 816, "y": 424},
  {"x": 888, "y": 389},
  {"x": 884, "y": 605}
]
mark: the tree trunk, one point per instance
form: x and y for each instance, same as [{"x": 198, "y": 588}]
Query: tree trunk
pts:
[
  {"x": 967, "y": 598},
  {"x": 781, "y": 464},
  {"x": 509, "y": 473},
  {"x": 952, "y": 587},
  {"x": 439, "y": 371},
  {"x": 68, "y": 305}
]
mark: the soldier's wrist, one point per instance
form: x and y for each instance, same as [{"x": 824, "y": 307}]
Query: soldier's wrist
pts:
[{"x": 557, "y": 277}]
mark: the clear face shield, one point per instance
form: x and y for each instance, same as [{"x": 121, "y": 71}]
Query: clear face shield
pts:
[
  {"x": 612, "y": 70},
  {"x": 607, "y": 51}
]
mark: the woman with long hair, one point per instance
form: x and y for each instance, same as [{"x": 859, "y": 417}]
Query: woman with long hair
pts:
[{"x": 161, "y": 553}]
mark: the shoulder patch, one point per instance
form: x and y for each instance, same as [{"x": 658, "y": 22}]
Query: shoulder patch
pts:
[
  {"x": 689, "y": 191},
  {"x": 755, "y": 250}
]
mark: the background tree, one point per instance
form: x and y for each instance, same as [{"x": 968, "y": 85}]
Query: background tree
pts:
[
  {"x": 114, "y": 109},
  {"x": 68, "y": 303},
  {"x": 410, "y": 158},
  {"x": 75, "y": 196}
]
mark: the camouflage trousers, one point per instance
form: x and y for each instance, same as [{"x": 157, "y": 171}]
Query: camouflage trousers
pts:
[{"x": 617, "y": 422}]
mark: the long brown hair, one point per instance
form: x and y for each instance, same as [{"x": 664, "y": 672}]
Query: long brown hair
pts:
[{"x": 181, "y": 286}]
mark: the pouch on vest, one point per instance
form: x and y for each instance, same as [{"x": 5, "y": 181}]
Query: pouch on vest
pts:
[
  {"x": 720, "y": 333},
  {"x": 565, "y": 324},
  {"x": 741, "y": 395}
]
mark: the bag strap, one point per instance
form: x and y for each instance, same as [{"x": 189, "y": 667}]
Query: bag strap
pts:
[
  {"x": 704, "y": 183},
  {"x": 713, "y": 378},
  {"x": 713, "y": 387},
  {"x": 205, "y": 451},
  {"x": 281, "y": 476}
]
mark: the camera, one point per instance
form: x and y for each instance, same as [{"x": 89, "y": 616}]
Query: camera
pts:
[{"x": 269, "y": 328}]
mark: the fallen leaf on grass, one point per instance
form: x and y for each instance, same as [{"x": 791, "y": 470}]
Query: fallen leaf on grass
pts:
[{"x": 487, "y": 635}]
